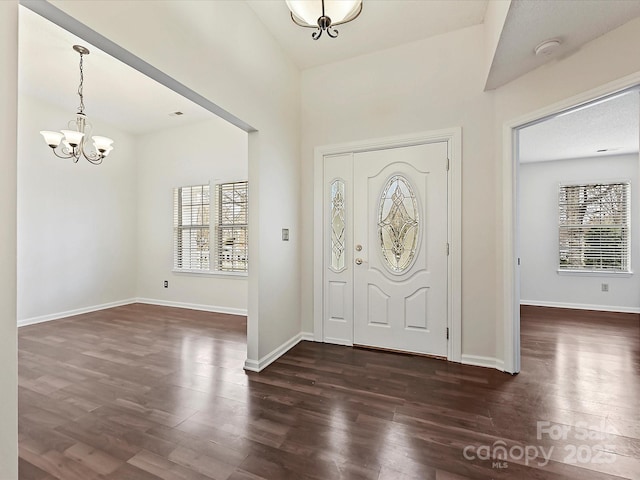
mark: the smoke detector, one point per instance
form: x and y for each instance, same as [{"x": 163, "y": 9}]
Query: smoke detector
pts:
[{"x": 547, "y": 47}]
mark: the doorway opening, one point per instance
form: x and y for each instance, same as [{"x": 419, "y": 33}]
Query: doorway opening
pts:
[{"x": 550, "y": 261}]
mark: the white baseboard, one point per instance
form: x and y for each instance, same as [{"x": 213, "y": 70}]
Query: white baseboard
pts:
[
  {"x": 580, "y": 306},
  {"x": 276, "y": 353},
  {"x": 480, "y": 361},
  {"x": 308, "y": 336},
  {"x": 194, "y": 306},
  {"x": 69, "y": 313},
  {"x": 129, "y": 301}
]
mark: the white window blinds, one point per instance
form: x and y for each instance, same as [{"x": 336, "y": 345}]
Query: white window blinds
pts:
[
  {"x": 594, "y": 225},
  {"x": 231, "y": 232},
  {"x": 191, "y": 227}
]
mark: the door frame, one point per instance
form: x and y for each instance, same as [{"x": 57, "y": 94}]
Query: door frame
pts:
[
  {"x": 510, "y": 218},
  {"x": 453, "y": 138}
]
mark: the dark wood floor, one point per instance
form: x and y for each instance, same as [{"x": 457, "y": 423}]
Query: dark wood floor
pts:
[{"x": 144, "y": 392}]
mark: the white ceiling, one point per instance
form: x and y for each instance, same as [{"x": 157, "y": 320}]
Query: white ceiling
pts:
[
  {"x": 613, "y": 125},
  {"x": 120, "y": 95},
  {"x": 113, "y": 91},
  {"x": 573, "y": 22},
  {"x": 382, "y": 24}
]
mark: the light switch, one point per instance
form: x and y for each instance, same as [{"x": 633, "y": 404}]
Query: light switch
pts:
[{"x": 285, "y": 234}]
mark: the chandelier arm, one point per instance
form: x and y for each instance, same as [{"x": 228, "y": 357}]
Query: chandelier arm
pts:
[
  {"x": 332, "y": 34},
  {"x": 93, "y": 157},
  {"x": 317, "y": 34},
  {"x": 64, "y": 155},
  {"x": 94, "y": 161}
]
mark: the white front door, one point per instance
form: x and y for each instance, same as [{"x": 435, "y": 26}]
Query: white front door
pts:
[{"x": 399, "y": 248}]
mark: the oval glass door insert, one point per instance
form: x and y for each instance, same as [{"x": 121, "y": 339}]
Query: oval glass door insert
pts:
[{"x": 398, "y": 224}]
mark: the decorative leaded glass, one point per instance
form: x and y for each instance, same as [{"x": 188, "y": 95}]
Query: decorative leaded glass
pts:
[
  {"x": 398, "y": 224},
  {"x": 337, "y": 226}
]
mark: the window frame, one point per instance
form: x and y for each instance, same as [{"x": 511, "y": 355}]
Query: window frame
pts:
[
  {"x": 213, "y": 227},
  {"x": 625, "y": 225},
  {"x": 221, "y": 225},
  {"x": 180, "y": 226}
]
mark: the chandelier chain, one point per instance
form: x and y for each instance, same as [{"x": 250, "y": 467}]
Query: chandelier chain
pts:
[{"x": 80, "y": 93}]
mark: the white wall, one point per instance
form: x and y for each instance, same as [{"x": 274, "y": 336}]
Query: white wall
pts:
[
  {"x": 239, "y": 66},
  {"x": 211, "y": 151},
  {"x": 8, "y": 334},
  {"x": 540, "y": 282},
  {"x": 76, "y": 222},
  {"x": 426, "y": 85}
]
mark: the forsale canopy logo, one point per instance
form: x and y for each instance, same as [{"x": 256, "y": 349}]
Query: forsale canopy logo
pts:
[{"x": 593, "y": 450}]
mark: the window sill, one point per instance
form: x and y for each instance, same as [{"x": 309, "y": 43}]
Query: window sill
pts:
[
  {"x": 595, "y": 273},
  {"x": 212, "y": 273}
]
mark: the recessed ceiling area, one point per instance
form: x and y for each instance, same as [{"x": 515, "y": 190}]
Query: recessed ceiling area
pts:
[
  {"x": 610, "y": 127},
  {"x": 572, "y": 22},
  {"x": 113, "y": 91},
  {"x": 381, "y": 25}
]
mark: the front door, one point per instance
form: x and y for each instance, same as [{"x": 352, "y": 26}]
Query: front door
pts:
[{"x": 399, "y": 248}]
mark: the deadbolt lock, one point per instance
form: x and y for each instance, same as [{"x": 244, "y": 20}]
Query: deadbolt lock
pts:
[{"x": 358, "y": 248}]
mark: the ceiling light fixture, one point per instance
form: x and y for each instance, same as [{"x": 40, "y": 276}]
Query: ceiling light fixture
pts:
[
  {"x": 323, "y": 15},
  {"x": 73, "y": 145},
  {"x": 547, "y": 47}
]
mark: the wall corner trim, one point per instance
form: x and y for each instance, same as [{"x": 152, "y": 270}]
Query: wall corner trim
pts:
[
  {"x": 580, "y": 306},
  {"x": 70, "y": 313},
  {"x": 308, "y": 336},
  {"x": 275, "y": 354},
  {"x": 480, "y": 361},
  {"x": 129, "y": 301},
  {"x": 194, "y": 306}
]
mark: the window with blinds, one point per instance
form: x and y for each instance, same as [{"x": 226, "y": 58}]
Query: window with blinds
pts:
[
  {"x": 594, "y": 225},
  {"x": 231, "y": 233},
  {"x": 193, "y": 251},
  {"x": 191, "y": 207}
]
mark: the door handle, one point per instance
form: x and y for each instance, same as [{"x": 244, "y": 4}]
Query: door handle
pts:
[{"x": 358, "y": 261}]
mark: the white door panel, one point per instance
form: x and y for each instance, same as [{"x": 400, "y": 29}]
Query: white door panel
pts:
[
  {"x": 400, "y": 288},
  {"x": 338, "y": 259}
]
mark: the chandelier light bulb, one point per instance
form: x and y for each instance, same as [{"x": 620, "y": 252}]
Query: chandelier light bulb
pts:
[
  {"x": 74, "y": 138},
  {"x": 53, "y": 139},
  {"x": 101, "y": 144}
]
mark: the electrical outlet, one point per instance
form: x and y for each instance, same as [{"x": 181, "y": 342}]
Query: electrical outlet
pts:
[
  {"x": 166, "y": 284},
  {"x": 605, "y": 287}
]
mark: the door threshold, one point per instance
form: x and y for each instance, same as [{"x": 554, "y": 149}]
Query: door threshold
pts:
[{"x": 402, "y": 352}]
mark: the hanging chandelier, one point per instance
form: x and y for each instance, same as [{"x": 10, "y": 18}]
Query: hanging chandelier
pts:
[
  {"x": 323, "y": 15},
  {"x": 74, "y": 140}
]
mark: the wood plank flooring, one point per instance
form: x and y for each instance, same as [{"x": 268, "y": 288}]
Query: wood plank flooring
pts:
[{"x": 144, "y": 393}]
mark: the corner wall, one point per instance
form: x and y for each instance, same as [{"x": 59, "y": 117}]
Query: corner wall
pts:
[
  {"x": 8, "y": 328},
  {"x": 76, "y": 222},
  {"x": 212, "y": 151},
  {"x": 240, "y": 67},
  {"x": 541, "y": 284}
]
